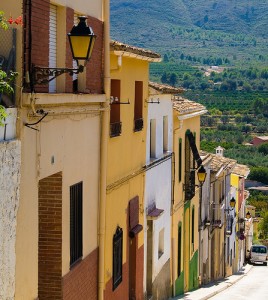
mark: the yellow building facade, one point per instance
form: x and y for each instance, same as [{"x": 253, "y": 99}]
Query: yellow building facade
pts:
[
  {"x": 124, "y": 209},
  {"x": 185, "y": 210}
]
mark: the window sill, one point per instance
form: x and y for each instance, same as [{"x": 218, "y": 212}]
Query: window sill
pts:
[{"x": 76, "y": 263}]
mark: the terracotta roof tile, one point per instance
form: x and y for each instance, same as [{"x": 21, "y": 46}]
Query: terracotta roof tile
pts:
[
  {"x": 217, "y": 162},
  {"x": 165, "y": 89},
  {"x": 182, "y": 105},
  {"x": 241, "y": 170},
  {"x": 117, "y": 46}
]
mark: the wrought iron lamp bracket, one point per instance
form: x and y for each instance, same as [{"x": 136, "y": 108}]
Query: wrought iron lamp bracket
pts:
[
  {"x": 153, "y": 102},
  {"x": 43, "y": 75},
  {"x": 114, "y": 101}
]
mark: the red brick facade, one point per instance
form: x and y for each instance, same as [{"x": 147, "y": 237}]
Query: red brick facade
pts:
[
  {"x": 122, "y": 291},
  {"x": 50, "y": 237},
  {"x": 36, "y": 46},
  {"x": 131, "y": 286},
  {"x": 81, "y": 283}
]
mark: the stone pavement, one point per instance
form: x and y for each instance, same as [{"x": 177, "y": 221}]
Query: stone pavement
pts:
[{"x": 211, "y": 289}]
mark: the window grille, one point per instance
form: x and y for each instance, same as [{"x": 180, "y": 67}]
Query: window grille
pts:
[
  {"x": 115, "y": 129},
  {"x": 117, "y": 257},
  {"x": 138, "y": 120},
  {"x": 76, "y": 221},
  {"x": 138, "y": 124}
]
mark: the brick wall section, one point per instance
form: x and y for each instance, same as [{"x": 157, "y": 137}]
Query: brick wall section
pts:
[
  {"x": 38, "y": 52},
  {"x": 40, "y": 35},
  {"x": 50, "y": 238},
  {"x": 81, "y": 283},
  {"x": 95, "y": 65},
  {"x": 122, "y": 291},
  {"x": 69, "y": 59},
  {"x": 139, "y": 273},
  {"x": 94, "y": 68}
]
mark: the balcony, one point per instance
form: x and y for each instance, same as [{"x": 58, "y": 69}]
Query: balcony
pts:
[
  {"x": 8, "y": 61},
  {"x": 138, "y": 124},
  {"x": 216, "y": 223},
  {"x": 115, "y": 129}
]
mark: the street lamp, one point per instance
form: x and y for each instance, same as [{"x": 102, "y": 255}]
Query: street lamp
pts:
[
  {"x": 201, "y": 174},
  {"x": 232, "y": 202},
  {"x": 248, "y": 215},
  {"x": 81, "y": 39}
]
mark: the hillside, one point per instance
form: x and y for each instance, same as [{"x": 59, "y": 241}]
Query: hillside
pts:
[{"x": 232, "y": 29}]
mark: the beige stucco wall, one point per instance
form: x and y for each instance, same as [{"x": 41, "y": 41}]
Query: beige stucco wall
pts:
[
  {"x": 92, "y": 8},
  {"x": 68, "y": 140},
  {"x": 9, "y": 202}
]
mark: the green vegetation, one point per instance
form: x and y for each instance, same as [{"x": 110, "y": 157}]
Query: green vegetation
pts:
[
  {"x": 260, "y": 201},
  {"x": 217, "y": 50},
  {"x": 5, "y": 79},
  {"x": 229, "y": 33}
]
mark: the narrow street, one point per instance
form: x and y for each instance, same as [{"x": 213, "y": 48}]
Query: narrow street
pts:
[{"x": 252, "y": 286}]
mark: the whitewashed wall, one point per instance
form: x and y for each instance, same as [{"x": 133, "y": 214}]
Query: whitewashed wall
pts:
[
  {"x": 10, "y": 161},
  {"x": 157, "y": 112},
  {"x": 158, "y": 182}
]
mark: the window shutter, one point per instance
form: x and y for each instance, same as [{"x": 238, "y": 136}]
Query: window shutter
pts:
[{"x": 52, "y": 44}]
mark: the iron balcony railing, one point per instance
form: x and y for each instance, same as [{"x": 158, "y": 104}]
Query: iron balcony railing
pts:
[
  {"x": 115, "y": 129},
  {"x": 138, "y": 124}
]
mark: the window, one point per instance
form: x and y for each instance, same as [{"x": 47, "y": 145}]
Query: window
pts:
[
  {"x": 189, "y": 168},
  {"x": 75, "y": 66},
  {"x": 138, "y": 120},
  {"x": 193, "y": 229},
  {"x": 117, "y": 257},
  {"x": 161, "y": 243},
  {"x": 179, "y": 250},
  {"x": 165, "y": 133},
  {"x": 153, "y": 138},
  {"x": 180, "y": 158},
  {"x": 76, "y": 221},
  {"x": 115, "y": 124},
  {"x": 52, "y": 44}
]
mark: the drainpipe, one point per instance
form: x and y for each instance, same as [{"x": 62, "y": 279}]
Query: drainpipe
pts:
[{"x": 104, "y": 146}]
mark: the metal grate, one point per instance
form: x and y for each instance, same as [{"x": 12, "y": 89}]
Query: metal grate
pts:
[
  {"x": 138, "y": 124},
  {"x": 117, "y": 257},
  {"x": 115, "y": 129},
  {"x": 76, "y": 222},
  {"x": 8, "y": 60}
]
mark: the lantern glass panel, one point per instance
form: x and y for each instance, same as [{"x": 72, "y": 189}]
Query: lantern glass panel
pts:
[{"x": 80, "y": 46}]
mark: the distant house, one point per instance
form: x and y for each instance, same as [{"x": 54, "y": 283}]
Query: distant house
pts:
[{"x": 259, "y": 140}]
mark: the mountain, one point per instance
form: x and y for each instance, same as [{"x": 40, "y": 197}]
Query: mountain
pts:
[{"x": 194, "y": 27}]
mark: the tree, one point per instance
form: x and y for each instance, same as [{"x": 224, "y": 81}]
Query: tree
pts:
[
  {"x": 173, "y": 79},
  {"x": 263, "y": 226},
  {"x": 164, "y": 78},
  {"x": 166, "y": 60},
  {"x": 263, "y": 149},
  {"x": 259, "y": 174}
]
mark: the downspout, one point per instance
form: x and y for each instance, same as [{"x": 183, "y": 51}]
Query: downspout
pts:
[
  {"x": 104, "y": 146},
  {"x": 173, "y": 271}
]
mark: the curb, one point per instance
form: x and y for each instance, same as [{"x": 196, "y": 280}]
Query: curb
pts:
[{"x": 227, "y": 285}]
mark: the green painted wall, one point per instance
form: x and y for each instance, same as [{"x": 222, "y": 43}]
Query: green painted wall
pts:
[
  {"x": 179, "y": 285},
  {"x": 193, "y": 273}
]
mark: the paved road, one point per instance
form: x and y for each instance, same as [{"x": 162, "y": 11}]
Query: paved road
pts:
[{"x": 254, "y": 285}]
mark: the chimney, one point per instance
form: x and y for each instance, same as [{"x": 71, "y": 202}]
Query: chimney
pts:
[{"x": 219, "y": 151}]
